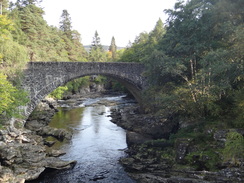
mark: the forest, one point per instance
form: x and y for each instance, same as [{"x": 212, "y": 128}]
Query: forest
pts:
[
  {"x": 194, "y": 61},
  {"x": 25, "y": 36},
  {"x": 196, "y": 69}
]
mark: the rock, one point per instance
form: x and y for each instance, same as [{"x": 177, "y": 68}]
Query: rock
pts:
[
  {"x": 155, "y": 126},
  {"x": 52, "y": 162},
  {"x": 56, "y": 153},
  {"x": 181, "y": 147},
  {"x": 23, "y": 139},
  {"x": 42, "y": 106},
  {"x": 60, "y": 134},
  {"x": 49, "y": 143},
  {"x": 220, "y": 135},
  {"x": 148, "y": 178},
  {"x": 8, "y": 153},
  {"x": 23, "y": 156},
  {"x": 133, "y": 138},
  {"x": 185, "y": 180},
  {"x": 34, "y": 125},
  {"x": 131, "y": 165},
  {"x": 28, "y": 174}
]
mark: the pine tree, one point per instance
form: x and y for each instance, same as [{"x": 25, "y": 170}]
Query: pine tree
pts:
[
  {"x": 97, "y": 53},
  {"x": 113, "y": 48},
  {"x": 157, "y": 33},
  {"x": 96, "y": 41},
  {"x": 65, "y": 24},
  {"x": 3, "y": 6},
  {"x": 23, "y": 3}
]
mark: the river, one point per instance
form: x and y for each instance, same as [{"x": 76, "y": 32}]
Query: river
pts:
[{"x": 97, "y": 145}]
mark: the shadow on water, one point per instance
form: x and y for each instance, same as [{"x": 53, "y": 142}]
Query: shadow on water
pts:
[{"x": 96, "y": 145}]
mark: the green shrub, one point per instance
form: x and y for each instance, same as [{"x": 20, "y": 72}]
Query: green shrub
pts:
[
  {"x": 234, "y": 147},
  {"x": 204, "y": 160},
  {"x": 11, "y": 98},
  {"x": 58, "y": 93}
]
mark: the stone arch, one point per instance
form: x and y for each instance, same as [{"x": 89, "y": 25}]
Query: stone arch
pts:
[{"x": 41, "y": 78}]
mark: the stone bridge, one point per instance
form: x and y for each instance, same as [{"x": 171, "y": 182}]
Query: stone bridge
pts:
[{"x": 41, "y": 78}]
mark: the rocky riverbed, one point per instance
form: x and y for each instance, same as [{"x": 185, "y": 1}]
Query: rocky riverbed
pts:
[
  {"x": 23, "y": 149},
  {"x": 154, "y": 154},
  {"x": 157, "y": 154},
  {"x": 23, "y": 154}
]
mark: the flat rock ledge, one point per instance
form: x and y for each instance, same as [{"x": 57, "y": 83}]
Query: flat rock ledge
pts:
[{"x": 23, "y": 156}]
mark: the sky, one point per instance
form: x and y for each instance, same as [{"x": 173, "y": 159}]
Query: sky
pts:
[{"x": 123, "y": 19}]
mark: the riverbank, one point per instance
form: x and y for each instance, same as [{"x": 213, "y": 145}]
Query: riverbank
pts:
[
  {"x": 96, "y": 143},
  {"x": 175, "y": 150},
  {"x": 160, "y": 149},
  {"x": 24, "y": 152}
]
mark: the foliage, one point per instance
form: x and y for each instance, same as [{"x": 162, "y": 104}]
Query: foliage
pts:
[
  {"x": 97, "y": 53},
  {"x": 65, "y": 24},
  {"x": 10, "y": 98},
  {"x": 58, "y": 93},
  {"x": 135, "y": 53},
  {"x": 5, "y": 26},
  {"x": 144, "y": 45},
  {"x": 234, "y": 147},
  {"x": 6, "y": 91},
  {"x": 204, "y": 160},
  {"x": 75, "y": 85},
  {"x": 43, "y": 42},
  {"x": 113, "y": 49},
  {"x": 99, "y": 79},
  {"x": 238, "y": 108},
  {"x": 195, "y": 62}
]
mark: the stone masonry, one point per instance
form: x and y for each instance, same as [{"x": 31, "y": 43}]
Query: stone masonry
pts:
[{"x": 41, "y": 78}]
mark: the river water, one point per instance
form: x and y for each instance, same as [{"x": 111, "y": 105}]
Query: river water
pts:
[{"x": 96, "y": 145}]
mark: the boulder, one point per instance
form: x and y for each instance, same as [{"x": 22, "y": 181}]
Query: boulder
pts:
[
  {"x": 60, "y": 134},
  {"x": 56, "y": 153}
]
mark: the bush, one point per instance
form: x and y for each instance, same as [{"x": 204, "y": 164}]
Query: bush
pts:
[
  {"x": 11, "y": 98},
  {"x": 234, "y": 148},
  {"x": 58, "y": 93}
]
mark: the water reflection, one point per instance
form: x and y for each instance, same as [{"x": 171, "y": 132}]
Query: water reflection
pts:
[
  {"x": 66, "y": 118},
  {"x": 96, "y": 146}
]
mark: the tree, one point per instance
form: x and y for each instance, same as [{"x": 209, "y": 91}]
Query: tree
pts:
[
  {"x": 6, "y": 25},
  {"x": 3, "y": 6},
  {"x": 157, "y": 33},
  {"x": 96, "y": 43},
  {"x": 196, "y": 53},
  {"x": 97, "y": 53},
  {"x": 12, "y": 54},
  {"x": 113, "y": 48},
  {"x": 6, "y": 91},
  {"x": 136, "y": 53},
  {"x": 65, "y": 24},
  {"x": 10, "y": 98},
  {"x": 77, "y": 51},
  {"x": 144, "y": 45},
  {"x": 24, "y": 3}
]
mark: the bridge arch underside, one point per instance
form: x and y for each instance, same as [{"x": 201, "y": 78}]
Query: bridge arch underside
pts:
[{"x": 132, "y": 87}]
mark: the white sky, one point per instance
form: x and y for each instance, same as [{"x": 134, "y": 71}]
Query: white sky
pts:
[{"x": 123, "y": 19}]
